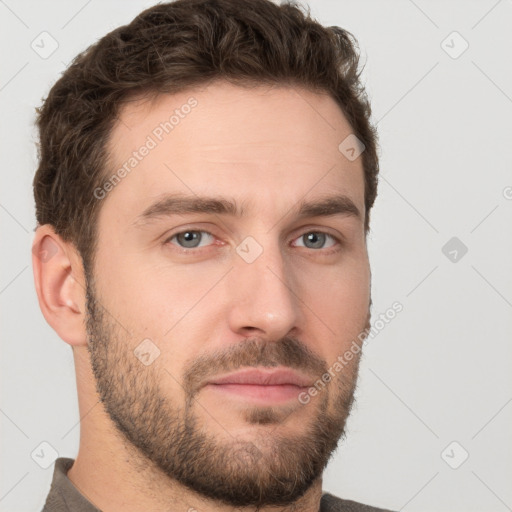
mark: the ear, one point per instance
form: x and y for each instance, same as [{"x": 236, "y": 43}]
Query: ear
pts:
[{"x": 60, "y": 284}]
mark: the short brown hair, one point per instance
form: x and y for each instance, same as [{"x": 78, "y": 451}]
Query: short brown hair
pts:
[{"x": 166, "y": 49}]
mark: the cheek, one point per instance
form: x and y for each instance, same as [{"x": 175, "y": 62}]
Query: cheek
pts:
[
  {"x": 340, "y": 297},
  {"x": 347, "y": 278},
  {"x": 174, "y": 307},
  {"x": 147, "y": 285},
  {"x": 344, "y": 302}
]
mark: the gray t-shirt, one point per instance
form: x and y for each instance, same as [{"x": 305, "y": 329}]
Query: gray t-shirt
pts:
[{"x": 65, "y": 497}]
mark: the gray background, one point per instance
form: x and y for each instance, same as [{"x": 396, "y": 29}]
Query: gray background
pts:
[{"x": 441, "y": 370}]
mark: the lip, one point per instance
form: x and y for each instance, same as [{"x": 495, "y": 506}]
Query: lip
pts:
[
  {"x": 264, "y": 377},
  {"x": 261, "y": 386}
]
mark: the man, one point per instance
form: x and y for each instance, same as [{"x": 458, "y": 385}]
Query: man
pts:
[{"x": 203, "y": 194}]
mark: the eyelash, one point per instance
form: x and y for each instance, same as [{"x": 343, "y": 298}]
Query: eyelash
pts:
[{"x": 334, "y": 248}]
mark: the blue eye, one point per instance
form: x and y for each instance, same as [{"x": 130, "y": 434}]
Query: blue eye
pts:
[
  {"x": 190, "y": 239},
  {"x": 316, "y": 240}
]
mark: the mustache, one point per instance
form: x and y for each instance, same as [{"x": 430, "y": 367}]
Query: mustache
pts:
[{"x": 253, "y": 352}]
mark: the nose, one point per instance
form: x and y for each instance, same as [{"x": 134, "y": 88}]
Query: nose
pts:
[{"x": 263, "y": 296}]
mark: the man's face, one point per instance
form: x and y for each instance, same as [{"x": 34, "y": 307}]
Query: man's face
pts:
[{"x": 206, "y": 327}]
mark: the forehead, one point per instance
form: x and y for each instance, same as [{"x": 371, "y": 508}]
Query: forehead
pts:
[{"x": 278, "y": 143}]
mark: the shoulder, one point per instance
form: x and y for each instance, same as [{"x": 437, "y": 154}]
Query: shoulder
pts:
[
  {"x": 63, "y": 495},
  {"x": 331, "y": 503}
]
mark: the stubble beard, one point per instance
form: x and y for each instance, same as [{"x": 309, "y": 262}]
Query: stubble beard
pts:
[{"x": 271, "y": 468}]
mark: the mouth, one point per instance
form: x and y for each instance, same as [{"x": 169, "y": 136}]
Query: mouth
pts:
[{"x": 264, "y": 386}]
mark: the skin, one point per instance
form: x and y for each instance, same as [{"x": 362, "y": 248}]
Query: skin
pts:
[{"x": 267, "y": 149}]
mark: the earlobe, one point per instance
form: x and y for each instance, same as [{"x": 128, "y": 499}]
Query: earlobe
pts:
[{"x": 60, "y": 285}]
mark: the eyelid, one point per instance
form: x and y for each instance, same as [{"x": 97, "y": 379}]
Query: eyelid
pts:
[
  {"x": 186, "y": 230},
  {"x": 315, "y": 228},
  {"x": 338, "y": 237},
  {"x": 316, "y": 232}
]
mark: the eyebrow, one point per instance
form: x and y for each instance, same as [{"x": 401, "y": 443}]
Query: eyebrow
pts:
[{"x": 178, "y": 204}]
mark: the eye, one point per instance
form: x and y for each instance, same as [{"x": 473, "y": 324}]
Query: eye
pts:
[
  {"x": 316, "y": 240},
  {"x": 191, "y": 239}
]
